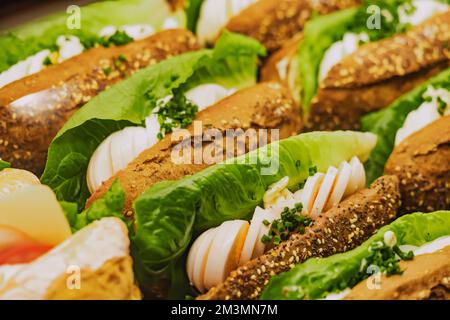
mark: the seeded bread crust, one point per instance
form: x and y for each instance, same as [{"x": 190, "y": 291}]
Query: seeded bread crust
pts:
[
  {"x": 28, "y": 125},
  {"x": 340, "y": 229},
  {"x": 378, "y": 73},
  {"x": 274, "y": 22},
  {"x": 422, "y": 164},
  {"x": 425, "y": 277},
  {"x": 263, "y": 106}
]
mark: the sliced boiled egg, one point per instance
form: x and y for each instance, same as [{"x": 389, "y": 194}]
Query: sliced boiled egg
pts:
[
  {"x": 225, "y": 251},
  {"x": 340, "y": 185},
  {"x": 263, "y": 230},
  {"x": 197, "y": 258},
  {"x": 310, "y": 191},
  {"x": 355, "y": 178},
  {"x": 252, "y": 235},
  {"x": 274, "y": 191},
  {"x": 324, "y": 191}
]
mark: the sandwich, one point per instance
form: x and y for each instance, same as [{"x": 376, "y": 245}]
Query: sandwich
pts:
[
  {"x": 407, "y": 259},
  {"x": 413, "y": 136},
  {"x": 35, "y": 106},
  {"x": 270, "y": 22},
  {"x": 213, "y": 86},
  {"x": 34, "y": 46},
  {"x": 360, "y": 60},
  {"x": 40, "y": 258},
  {"x": 303, "y": 183}
]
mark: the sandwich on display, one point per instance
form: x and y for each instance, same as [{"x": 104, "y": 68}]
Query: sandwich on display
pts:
[{"x": 227, "y": 150}]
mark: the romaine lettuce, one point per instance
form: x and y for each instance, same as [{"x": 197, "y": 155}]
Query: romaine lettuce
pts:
[
  {"x": 233, "y": 63},
  {"x": 23, "y": 41},
  {"x": 170, "y": 213},
  {"x": 4, "y": 164},
  {"x": 386, "y": 122},
  {"x": 317, "y": 277},
  {"x": 321, "y": 32}
]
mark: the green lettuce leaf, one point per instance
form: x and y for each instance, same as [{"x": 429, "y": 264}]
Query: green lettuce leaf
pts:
[
  {"x": 233, "y": 63},
  {"x": 170, "y": 213},
  {"x": 4, "y": 164},
  {"x": 319, "y": 35},
  {"x": 321, "y": 32},
  {"x": 23, "y": 41},
  {"x": 110, "y": 205},
  {"x": 386, "y": 122},
  {"x": 317, "y": 277},
  {"x": 192, "y": 12}
]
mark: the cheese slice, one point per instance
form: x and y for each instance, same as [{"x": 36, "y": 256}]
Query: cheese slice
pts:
[{"x": 35, "y": 211}]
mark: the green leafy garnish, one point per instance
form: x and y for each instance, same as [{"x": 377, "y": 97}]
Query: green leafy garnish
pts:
[
  {"x": 4, "y": 164},
  {"x": 47, "y": 61},
  {"x": 289, "y": 222},
  {"x": 442, "y": 106},
  {"x": 178, "y": 112},
  {"x": 119, "y": 38}
]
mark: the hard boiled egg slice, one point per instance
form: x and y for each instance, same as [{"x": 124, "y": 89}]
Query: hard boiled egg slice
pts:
[
  {"x": 100, "y": 166},
  {"x": 355, "y": 178},
  {"x": 263, "y": 230},
  {"x": 12, "y": 180},
  {"x": 252, "y": 235},
  {"x": 197, "y": 258},
  {"x": 343, "y": 176},
  {"x": 225, "y": 251},
  {"x": 310, "y": 191},
  {"x": 35, "y": 211},
  {"x": 324, "y": 191}
]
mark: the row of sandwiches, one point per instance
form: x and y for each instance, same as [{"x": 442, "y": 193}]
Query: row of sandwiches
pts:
[{"x": 307, "y": 212}]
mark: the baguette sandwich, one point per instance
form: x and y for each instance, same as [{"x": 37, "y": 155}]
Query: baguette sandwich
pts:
[
  {"x": 112, "y": 130},
  {"x": 408, "y": 259},
  {"x": 413, "y": 137},
  {"x": 270, "y": 22},
  {"x": 33, "y": 109},
  {"x": 360, "y": 60}
]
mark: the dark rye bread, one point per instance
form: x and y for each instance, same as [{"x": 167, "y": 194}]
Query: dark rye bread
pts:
[
  {"x": 422, "y": 164},
  {"x": 378, "y": 73},
  {"x": 33, "y": 109},
  {"x": 274, "y": 22},
  {"x": 263, "y": 106},
  {"x": 425, "y": 277},
  {"x": 340, "y": 229}
]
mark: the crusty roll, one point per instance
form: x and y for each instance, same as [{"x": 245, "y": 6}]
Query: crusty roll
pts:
[
  {"x": 33, "y": 109},
  {"x": 422, "y": 164},
  {"x": 378, "y": 73},
  {"x": 263, "y": 106},
  {"x": 424, "y": 277},
  {"x": 274, "y": 22},
  {"x": 342, "y": 228},
  {"x": 93, "y": 264}
]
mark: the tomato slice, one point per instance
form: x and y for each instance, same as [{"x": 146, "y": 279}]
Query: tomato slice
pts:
[
  {"x": 17, "y": 247},
  {"x": 22, "y": 253}
]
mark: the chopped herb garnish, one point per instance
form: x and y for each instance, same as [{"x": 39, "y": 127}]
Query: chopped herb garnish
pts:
[
  {"x": 382, "y": 257},
  {"x": 298, "y": 163},
  {"x": 47, "y": 61},
  {"x": 442, "y": 105},
  {"x": 312, "y": 170},
  {"x": 107, "y": 71},
  {"x": 119, "y": 38},
  {"x": 122, "y": 57},
  {"x": 178, "y": 112},
  {"x": 290, "y": 221},
  {"x": 389, "y": 19}
]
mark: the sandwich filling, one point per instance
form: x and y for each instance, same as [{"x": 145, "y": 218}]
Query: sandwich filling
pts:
[
  {"x": 404, "y": 252},
  {"x": 68, "y": 46},
  {"x": 123, "y": 146},
  {"x": 214, "y": 15},
  {"x": 218, "y": 251},
  {"x": 436, "y": 105}
]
